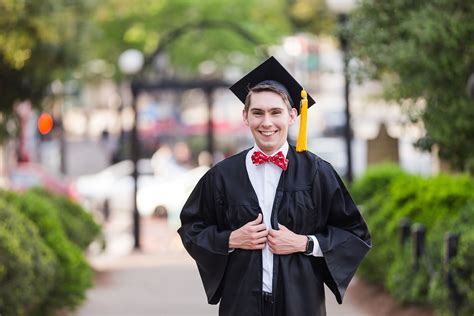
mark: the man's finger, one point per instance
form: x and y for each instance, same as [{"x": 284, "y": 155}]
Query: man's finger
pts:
[
  {"x": 260, "y": 227},
  {"x": 272, "y": 232},
  {"x": 282, "y": 227},
  {"x": 258, "y": 220},
  {"x": 262, "y": 233}
]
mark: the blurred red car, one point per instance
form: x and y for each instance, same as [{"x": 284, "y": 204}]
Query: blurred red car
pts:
[{"x": 28, "y": 175}]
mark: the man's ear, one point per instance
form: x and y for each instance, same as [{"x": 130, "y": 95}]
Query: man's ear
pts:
[
  {"x": 293, "y": 115},
  {"x": 245, "y": 117}
]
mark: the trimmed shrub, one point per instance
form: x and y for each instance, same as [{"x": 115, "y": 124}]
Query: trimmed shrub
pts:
[
  {"x": 73, "y": 275},
  {"x": 464, "y": 275},
  {"x": 462, "y": 269},
  {"x": 27, "y": 265},
  {"x": 443, "y": 203},
  {"x": 78, "y": 224},
  {"x": 372, "y": 191},
  {"x": 375, "y": 179}
]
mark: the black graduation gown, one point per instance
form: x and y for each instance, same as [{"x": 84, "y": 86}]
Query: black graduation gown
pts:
[{"x": 310, "y": 199}]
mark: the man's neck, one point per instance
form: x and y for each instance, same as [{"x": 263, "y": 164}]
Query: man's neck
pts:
[{"x": 283, "y": 148}]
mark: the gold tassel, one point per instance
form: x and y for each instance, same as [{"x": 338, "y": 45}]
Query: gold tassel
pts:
[{"x": 302, "y": 142}]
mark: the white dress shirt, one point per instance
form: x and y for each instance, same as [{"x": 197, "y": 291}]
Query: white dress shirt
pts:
[{"x": 264, "y": 179}]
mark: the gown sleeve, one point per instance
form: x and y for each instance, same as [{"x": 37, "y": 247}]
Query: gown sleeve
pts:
[
  {"x": 346, "y": 239},
  {"x": 204, "y": 241}
]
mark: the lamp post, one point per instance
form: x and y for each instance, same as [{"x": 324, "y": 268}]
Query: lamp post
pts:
[
  {"x": 342, "y": 8},
  {"x": 58, "y": 90},
  {"x": 470, "y": 86},
  {"x": 131, "y": 63}
]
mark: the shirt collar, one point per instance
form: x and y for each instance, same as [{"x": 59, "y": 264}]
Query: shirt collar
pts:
[{"x": 283, "y": 149}]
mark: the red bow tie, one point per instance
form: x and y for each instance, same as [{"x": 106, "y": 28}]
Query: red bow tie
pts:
[{"x": 259, "y": 158}]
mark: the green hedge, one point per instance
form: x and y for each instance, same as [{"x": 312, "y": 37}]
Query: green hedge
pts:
[
  {"x": 27, "y": 265},
  {"x": 78, "y": 224},
  {"x": 375, "y": 179},
  {"x": 442, "y": 203},
  {"x": 59, "y": 226}
]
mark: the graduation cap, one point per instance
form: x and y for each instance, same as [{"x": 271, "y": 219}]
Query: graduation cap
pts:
[{"x": 271, "y": 72}]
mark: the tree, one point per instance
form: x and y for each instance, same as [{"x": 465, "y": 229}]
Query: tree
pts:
[
  {"x": 39, "y": 43},
  {"x": 423, "y": 52},
  {"x": 310, "y": 16},
  {"x": 212, "y": 30}
]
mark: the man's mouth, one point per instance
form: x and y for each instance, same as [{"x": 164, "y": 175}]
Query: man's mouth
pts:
[{"x": 267, "y": 133}]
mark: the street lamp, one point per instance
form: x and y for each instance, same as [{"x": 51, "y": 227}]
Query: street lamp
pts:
[
  {"x": 131, "y": 63},
  {"x": 342, "y": 8}
]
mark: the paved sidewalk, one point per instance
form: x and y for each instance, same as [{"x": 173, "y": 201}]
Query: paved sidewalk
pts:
[{"x": 159, "y": 280}]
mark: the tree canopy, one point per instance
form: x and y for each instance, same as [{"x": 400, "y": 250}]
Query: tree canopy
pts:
[
  {"x": 39, "y": 43},
  {"x": 62, "y": 39},
  {"x": 192, "y": 31},
  {"x": 423, "y": 52}
]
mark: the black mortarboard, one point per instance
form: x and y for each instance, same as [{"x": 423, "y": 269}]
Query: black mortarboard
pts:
[{"x": 273, "y": 73}]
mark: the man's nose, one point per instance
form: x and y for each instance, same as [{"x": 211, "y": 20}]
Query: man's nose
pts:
[{"x": 267, "y": 120}]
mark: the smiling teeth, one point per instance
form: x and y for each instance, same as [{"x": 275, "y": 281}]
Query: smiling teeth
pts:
[{"x": 267, "y": 133}]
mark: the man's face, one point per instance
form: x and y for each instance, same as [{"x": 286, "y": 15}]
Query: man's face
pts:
[{"x": 269, "y": 118}]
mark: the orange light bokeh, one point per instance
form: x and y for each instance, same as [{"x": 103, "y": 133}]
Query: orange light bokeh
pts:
[{"x": 45, "y": 123}]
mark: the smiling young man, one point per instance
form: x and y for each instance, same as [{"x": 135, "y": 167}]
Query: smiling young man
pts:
[
  {"x": 270, "y": 225},
  {"x": 268, "y": 114}
]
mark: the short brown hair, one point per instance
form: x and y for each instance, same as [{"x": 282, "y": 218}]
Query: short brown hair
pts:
[{"x": 266, "y": 87}]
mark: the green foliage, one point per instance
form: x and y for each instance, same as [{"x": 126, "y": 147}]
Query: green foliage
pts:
[
  {"x": 442, "y": 203},
  {"x": 421, "y": 51},
  {"x": 78, "y": 224},
  {"x": 375, "y": 179},
  {"x": 27, "y": 266},
  {"x": 310, "y": 15},
  {"x": 461, "y": 265},
  {"x": 73, "y": 275},
  {"x": 224, "y": 32},
  {"x": 464, "y": 274},
  {"x": 461, "y": 268},
  {"x": 39, "y": 43},
  {"x": 401, "y": 272}
]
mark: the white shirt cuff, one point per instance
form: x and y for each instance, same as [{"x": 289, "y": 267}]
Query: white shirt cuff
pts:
[{"x": 316, "y": 249}]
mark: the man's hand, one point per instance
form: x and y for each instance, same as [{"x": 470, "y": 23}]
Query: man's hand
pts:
[
  {"x": 285, "y": 242},
  {"x": 251, "y": 236}
]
